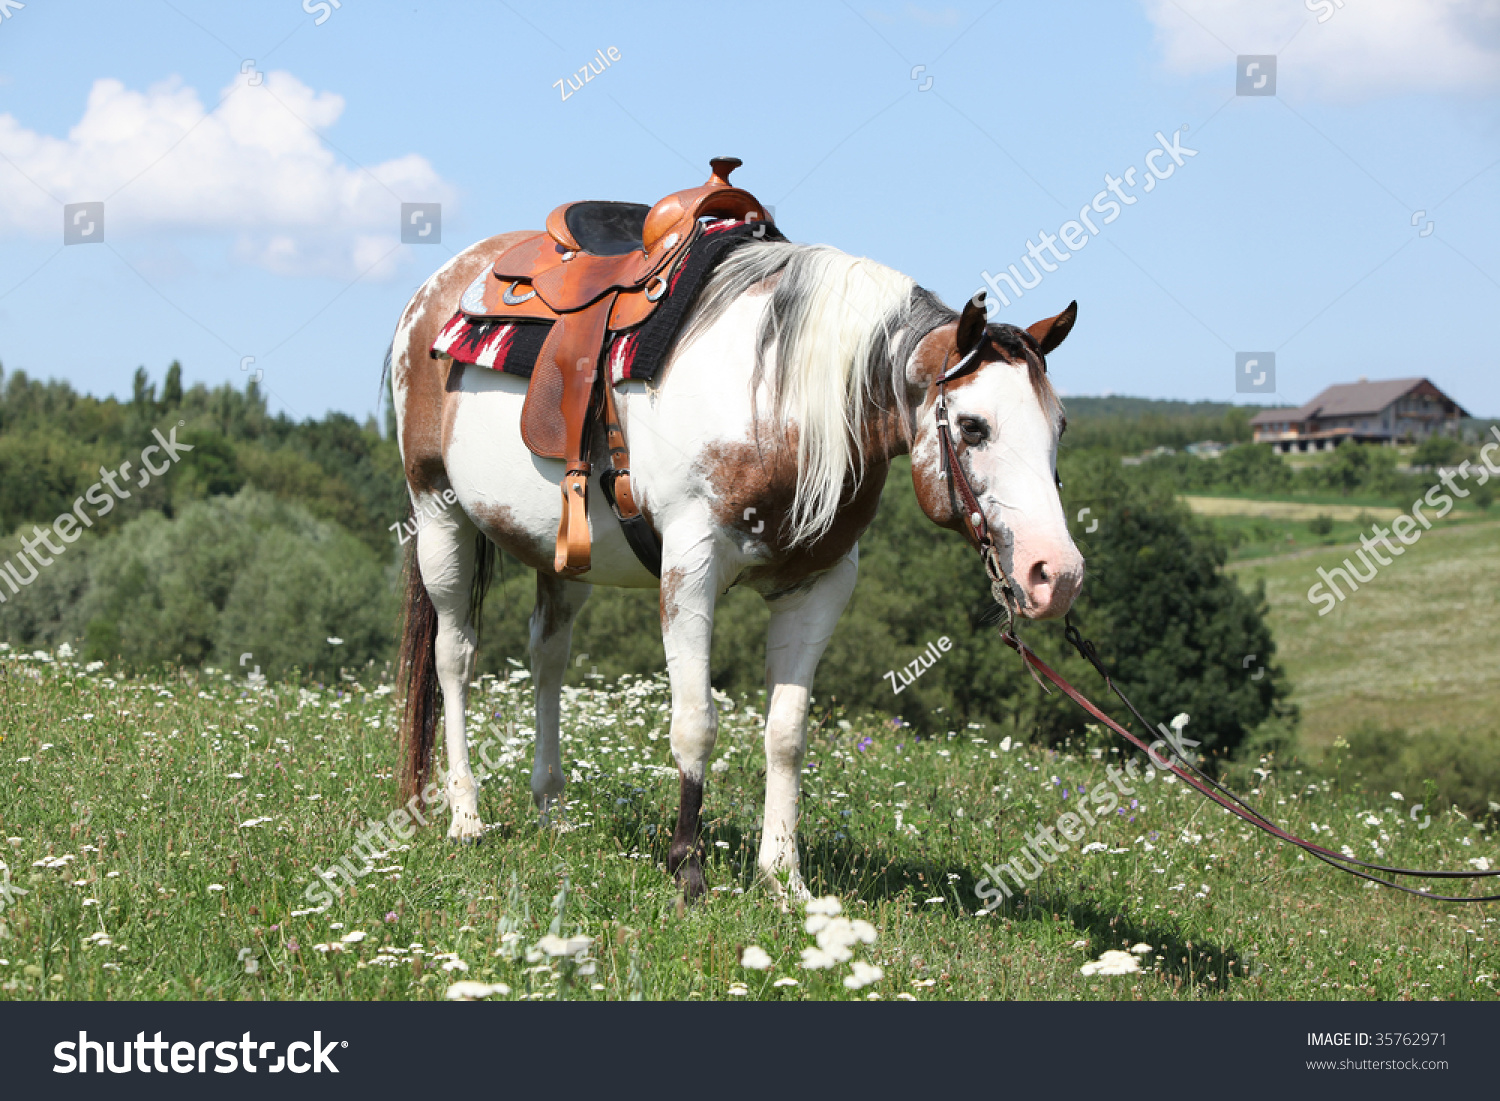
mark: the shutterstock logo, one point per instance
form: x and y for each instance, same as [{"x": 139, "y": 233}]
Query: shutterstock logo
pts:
[{"x": 185, "y": 1057}]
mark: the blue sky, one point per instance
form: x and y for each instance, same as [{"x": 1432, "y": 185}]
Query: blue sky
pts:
[{"x": 252, "y": 161}]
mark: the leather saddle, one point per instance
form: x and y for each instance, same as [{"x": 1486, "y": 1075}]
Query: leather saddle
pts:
[{"x": 599, "y": 269}]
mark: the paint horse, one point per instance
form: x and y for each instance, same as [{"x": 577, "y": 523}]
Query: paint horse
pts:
[{"x": 758, "y": 457}]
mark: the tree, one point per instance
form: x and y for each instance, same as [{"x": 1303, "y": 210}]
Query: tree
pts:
[
  {"x": 1179, "y": 634},
  {"x": 171, "y": 391}
]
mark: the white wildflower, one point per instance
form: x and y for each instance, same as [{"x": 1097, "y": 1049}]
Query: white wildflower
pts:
[
  {"x": 815, "y": 959},
  {"x": 1113, "y": 962},
  {"x": 755, "y": 958},
  {"x": 829, "y": 906}
]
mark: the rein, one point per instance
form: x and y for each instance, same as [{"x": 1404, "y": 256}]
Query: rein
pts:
[{"x": 1007, "y": 596}]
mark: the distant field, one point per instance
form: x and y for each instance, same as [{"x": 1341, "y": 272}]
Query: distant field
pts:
[
  {"x": 1261, "y": 528},
  {"x": 1418, "y": 647},
  {"x": 1286, "y": 510}
]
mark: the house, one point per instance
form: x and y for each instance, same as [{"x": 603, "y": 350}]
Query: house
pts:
[{"x": 1403, "y": 410}]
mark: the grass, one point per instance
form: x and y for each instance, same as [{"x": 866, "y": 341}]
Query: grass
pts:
[
  {"x": 1413, "y": 649},
  {"x": 166, "y": 830}
]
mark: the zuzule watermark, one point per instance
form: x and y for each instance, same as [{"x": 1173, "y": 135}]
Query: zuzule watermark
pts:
[
  {"x": 406, "y": 530},
  {"x": 903, "y": 678},
  {"x": 587, "y": 72}
]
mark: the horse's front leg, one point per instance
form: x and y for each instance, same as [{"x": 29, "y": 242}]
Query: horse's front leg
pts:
[
  {"x": 446, "y": 553},
  {"x": 802, "y": 622},
  {"x": 690, "y": 584}
]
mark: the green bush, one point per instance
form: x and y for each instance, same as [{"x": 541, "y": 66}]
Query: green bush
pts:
[
  {"x": 1321, "y": 525},
  {"x": 232, "y": 575},
  {"x": 1442, "y": 768},
  {"x": 1441, "y": 451},
  {"x": 1357, "y": 469}
]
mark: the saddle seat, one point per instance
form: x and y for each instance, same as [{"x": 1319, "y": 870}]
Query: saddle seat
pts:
[
  {"x": 601, "y": 227},
  {"x": 600, "y": 268}
]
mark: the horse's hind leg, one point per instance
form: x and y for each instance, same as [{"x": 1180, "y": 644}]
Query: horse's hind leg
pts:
[
  {"x": 802, "y": 622},
  {"x": 557, "y": 604},
  {"x": 446, "y": 552}
]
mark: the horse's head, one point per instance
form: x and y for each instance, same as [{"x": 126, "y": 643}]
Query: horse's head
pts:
[{"x": 1005, "y": 421}]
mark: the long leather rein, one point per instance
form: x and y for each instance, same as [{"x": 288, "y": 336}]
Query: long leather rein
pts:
[{"x": 1009, "y": 597}]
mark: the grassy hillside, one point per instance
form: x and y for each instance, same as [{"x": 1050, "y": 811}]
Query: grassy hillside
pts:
[
  {"x": 1414, "y": 649},
  {"x": 164, "y": 833}
]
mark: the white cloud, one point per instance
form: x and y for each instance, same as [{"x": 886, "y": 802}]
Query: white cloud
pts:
[
  {"x": 1362, "y": 49},
  {"x": 254, "y": 168}
]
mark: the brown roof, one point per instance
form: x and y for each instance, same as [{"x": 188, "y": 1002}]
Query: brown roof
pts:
[
  {"x": 1279, "y": 415},
  {"x": 1350, "y": 399}
]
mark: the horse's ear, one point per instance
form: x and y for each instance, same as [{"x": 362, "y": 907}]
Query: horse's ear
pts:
[
  {"x": 970, "y": 325},
  {"x": 1053, "y": 331}
]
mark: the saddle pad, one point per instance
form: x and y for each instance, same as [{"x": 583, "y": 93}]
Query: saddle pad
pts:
[{"x": 638, "y": 353}]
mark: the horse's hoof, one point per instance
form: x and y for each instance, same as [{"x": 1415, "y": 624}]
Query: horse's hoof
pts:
[
  {"x": 464, "y": 841},
  {"x": 690, "y": 878}
]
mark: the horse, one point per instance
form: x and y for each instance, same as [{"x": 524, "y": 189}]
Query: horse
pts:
[{"x": 759, "y": 456}]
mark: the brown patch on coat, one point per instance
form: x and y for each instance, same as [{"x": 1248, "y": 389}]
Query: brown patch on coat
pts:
[
  {"x": 425, "y": 378},
  {"x": 499, "y": 524},
  {"x": 671, "y": 580},
  {"x": 761, "y": 475}
]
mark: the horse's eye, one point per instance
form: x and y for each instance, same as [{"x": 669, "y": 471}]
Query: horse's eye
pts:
[{"x": 974, "y": 430}]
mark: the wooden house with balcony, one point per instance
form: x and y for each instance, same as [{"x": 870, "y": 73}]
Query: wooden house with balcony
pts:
[{"x": 1403, "y": 410}]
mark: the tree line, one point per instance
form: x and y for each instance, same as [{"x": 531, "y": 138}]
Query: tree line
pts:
[{"x": 269, "y": 546}]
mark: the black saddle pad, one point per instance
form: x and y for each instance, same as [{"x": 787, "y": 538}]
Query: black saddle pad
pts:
[
  {"x": 512, "y": 346},
  {"x": 607, "y": 228}
]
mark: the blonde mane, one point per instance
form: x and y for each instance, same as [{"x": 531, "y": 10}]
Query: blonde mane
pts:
[{"x": 840, "y": 329}]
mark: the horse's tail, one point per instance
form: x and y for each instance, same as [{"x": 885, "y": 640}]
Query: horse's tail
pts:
[{"x": 417, "y": 679}]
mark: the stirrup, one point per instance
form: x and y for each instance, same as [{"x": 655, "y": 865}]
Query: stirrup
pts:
[{"x": 573, "y": 533}]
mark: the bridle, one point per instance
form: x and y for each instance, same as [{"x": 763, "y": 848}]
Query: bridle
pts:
[
  {"x": 1008, "y": 596},
  {"x": 961, "y": 492}
]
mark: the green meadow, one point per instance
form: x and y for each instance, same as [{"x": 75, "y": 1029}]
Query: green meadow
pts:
[
  {"x": 1415, "y": 649},
  {"x": 162, "y": 838}
]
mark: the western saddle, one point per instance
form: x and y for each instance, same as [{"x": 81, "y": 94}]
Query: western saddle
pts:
[{"x": 599, "y": 269}]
